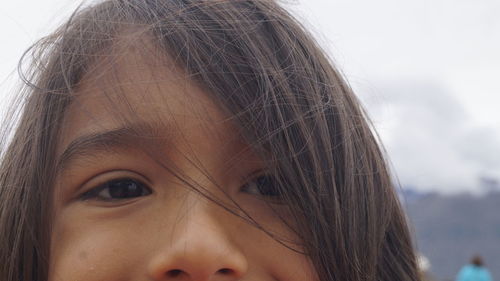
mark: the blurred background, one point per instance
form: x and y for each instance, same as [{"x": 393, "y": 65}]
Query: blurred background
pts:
[{"x": 428, "y": 73}]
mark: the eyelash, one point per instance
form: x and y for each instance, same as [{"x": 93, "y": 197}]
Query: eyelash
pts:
[
  {"x": 105, "y": 192},
  {"x": 264, "y": 186}
]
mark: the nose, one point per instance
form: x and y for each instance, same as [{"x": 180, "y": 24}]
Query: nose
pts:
[{"x": 198, "y": 247}]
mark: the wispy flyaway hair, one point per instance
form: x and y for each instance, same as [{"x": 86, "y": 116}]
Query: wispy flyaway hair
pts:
[{"x": 283, "y": 94}]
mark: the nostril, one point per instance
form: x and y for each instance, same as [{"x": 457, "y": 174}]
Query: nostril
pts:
[
  {"x": 177, "y": 272},
  {"x": 174, "y": 272},
  {"x": 225, "y": 271}
]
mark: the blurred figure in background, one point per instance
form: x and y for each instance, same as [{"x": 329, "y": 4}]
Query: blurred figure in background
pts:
[
  {"x": 475, "y": 271},
  {"x": 424, "y": 266}
]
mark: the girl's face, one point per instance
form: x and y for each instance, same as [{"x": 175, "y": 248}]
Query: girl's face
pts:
[{"x": 121, "y": 215}]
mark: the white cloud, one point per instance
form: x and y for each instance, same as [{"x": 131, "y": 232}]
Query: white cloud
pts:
[
  {"x": 432, "y": 141},
  {"x": 443, "y": 134}
]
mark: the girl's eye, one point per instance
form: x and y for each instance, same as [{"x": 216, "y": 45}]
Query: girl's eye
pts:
[
  {"x": 264, "y": 186},
  {"x": 118, "y": 189}
]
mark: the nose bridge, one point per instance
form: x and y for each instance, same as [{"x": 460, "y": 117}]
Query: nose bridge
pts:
[
  {"x": 199, "y": 245},
  {"x": 201, "y": 212},
  {"x": 201, "y": 220}
]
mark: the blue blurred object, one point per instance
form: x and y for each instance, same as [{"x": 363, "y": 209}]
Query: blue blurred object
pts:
[{"x": 474, "y": 273}]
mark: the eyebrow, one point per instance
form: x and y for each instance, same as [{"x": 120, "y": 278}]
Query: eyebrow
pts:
[{"x": 133, "y": 135}]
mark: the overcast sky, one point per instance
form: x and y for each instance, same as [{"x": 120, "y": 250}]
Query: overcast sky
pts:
[{"x": 428, "y": 72}]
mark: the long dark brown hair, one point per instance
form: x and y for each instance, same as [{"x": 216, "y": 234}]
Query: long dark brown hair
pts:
[{"x": 283, "y": 93}]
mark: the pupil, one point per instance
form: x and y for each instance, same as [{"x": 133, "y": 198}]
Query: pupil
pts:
[
  {"x": 267, "y": 186},
  {"x": 124, "y": 189}
]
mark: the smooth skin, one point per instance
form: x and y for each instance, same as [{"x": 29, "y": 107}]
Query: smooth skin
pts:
[{"x": 120, "y": 215}]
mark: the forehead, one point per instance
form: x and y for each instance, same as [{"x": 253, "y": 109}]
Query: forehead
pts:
[{"x": 138, "y": 85}]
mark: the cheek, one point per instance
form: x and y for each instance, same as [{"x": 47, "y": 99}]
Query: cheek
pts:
[
  {"x": 282, "y": 259},
  {"x": 295, "y": 268},
  {"x": 82, "y": 250}
]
